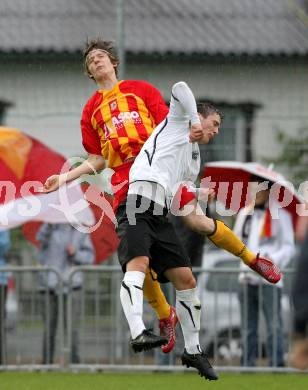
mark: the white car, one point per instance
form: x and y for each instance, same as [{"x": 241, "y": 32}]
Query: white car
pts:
[{"x": 221, "y": 322}]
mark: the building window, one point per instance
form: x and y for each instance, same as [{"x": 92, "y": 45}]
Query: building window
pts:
[
  {"x": 234, "y": 140},
  {"x": 4, "y": 105}
]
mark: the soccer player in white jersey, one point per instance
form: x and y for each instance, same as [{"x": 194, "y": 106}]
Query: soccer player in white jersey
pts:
[{"x": 147, "y": 238}]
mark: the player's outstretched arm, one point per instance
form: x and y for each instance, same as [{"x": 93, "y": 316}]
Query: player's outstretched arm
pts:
[{"x": 92, "y": 164}]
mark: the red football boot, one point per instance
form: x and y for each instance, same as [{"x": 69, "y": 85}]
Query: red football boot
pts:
[
  {"x": 266, "y": 268},
  {"x": 167, "y": 328}
]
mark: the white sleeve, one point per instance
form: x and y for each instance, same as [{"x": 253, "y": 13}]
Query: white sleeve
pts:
[
  {"x": 286, "y": 237},
  {"x": 239, "y": 221},
  {"x": 183, "y": 94}
]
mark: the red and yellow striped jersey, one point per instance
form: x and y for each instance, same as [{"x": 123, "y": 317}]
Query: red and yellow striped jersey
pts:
[{"x": 116, "y": 123}]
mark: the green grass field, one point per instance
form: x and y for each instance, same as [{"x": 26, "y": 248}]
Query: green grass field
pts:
[{"x": 148, "y": 381}]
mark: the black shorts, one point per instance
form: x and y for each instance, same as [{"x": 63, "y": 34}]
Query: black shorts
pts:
[{"x": 152, "y": 236}]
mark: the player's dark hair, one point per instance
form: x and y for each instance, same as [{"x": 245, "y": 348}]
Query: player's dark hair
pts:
[
  {"x": 260, "y": 179},
  {"x": 99, "y": 43},
  {"x": 206, "y": 109}
]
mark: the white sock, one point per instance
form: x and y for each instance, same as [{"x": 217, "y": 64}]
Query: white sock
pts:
[
  {"x": 131, "y": 295},
  {"x": 188, "y": 310}
]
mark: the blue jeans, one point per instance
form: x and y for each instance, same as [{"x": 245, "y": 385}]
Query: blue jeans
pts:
[
  {"x": 253, "y": 300},
  {"x": 50, "y": 313}
]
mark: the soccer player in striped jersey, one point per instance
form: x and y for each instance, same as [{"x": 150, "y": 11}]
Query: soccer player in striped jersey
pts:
[{"x": 115, "y": 123}]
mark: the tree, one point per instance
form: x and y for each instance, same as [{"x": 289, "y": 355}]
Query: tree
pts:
[{"x": 294, "y": 154}]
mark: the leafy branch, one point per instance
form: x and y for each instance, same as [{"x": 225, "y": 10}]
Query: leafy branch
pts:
[{"x": 294, "y": 154}]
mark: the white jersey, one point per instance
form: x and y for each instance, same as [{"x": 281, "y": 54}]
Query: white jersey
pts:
[{"x": 168, "y": 158}]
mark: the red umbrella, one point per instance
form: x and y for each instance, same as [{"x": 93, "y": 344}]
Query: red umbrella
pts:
[
  {"x": 24, "y": 159},
  {"x": 230, "y": 180},
  {"x": 25, "y": 164}
]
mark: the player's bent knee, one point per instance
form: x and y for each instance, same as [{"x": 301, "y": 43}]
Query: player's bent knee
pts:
[
  {"x": 191, "y": 282},
  {"x": 182, "y": 278},
  {"x": 140, "y": 263}
]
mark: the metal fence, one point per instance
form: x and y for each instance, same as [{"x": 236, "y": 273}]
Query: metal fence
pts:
[{"x": 89, "y": 331}]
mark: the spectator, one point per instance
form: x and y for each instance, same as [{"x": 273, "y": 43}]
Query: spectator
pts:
[
  {"x": 61, "y": 247},
  {"x": 275, "y": 239},
  {"x": 4, "y": 246},
  {"x": 299, "y": 354}
]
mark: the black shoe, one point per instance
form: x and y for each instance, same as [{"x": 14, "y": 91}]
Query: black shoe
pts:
[
  {"x": 147, "y": 340},
  {"x": 200, "y": 362}
]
